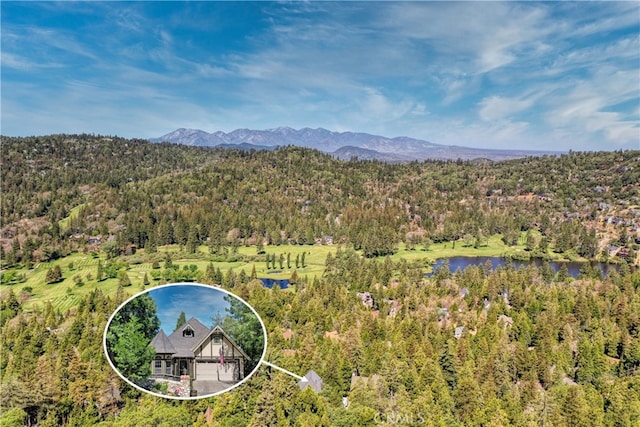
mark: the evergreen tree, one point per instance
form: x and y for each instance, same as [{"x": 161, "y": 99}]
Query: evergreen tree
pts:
[
  {"x": 182, "y": 319},
  {"x": 246, "y": 330},
  {"x": 123, "y": 279},
  {"x": 100, "y": 272},
  {"x": 209, "y": 274},
  {"x": 54, "y": 275}
]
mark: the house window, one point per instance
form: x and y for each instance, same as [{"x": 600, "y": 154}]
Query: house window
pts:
[
  {"x": 168, "y": 367},
  {"x": 157, "y": 367},
  {"x": 187, "y": 332},
  {"x": 217, "y": 338}
]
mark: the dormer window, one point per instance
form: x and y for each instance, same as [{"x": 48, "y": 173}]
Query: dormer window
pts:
[{"x": 187, "y": 332}]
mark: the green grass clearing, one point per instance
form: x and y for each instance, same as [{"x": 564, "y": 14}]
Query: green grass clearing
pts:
[
  {"x": 67, "y": 293},
  {"x": 73, "y": 213}
]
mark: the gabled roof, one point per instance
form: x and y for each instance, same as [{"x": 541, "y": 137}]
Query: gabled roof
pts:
[
  {"x": 162, "y": 344},
  {"x": 184, "y": 345},
  {"x": 218, "y": 329},
  {"x": 312, "y": 380}
]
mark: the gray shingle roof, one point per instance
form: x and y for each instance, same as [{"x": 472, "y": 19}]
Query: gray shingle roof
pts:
[
  {"x": 180, "y": 345},
  {"x": 184, "y": 344},
  {"x": 162, "y": 344},
  {"x": 312, "y": 380}
]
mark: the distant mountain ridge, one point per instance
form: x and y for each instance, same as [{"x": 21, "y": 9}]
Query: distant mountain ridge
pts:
[{"x": 343, "y": 145}]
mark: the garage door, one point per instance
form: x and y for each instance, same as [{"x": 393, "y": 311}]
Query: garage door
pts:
[{"x": 210, "y": 371}]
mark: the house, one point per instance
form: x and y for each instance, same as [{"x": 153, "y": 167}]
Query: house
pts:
[
  {"x": 312, "y": 380},
  {"x": 366, "y": 298},
  {"x": 200, "y": 352}
]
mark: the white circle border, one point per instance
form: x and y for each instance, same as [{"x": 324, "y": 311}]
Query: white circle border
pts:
[{"x": 131, "y": 383}]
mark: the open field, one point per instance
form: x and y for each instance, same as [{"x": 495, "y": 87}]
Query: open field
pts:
[
  {"x": 65, "y": 222},
  {"x": 83, "y": 268},
  {"x": 79, "y": 271}
]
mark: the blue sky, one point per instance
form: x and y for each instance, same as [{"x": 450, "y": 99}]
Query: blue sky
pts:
[
  {"x": 552, "y": 75},
  {"x": 201, "y": 302}
]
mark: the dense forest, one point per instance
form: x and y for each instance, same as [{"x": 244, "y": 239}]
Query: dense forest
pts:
[
  {"x": 65, "y": 192},
  {"x": 480, "y": 346}
]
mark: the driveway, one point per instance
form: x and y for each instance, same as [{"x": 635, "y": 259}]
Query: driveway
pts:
[{"x": 206, "y": 387}]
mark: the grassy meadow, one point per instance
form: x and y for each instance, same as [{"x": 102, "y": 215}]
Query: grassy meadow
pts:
[{"x": 79, "y": 270}]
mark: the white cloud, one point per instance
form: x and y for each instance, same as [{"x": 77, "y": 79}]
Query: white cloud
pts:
[
  {"x": 497, "y": 108},
  {"x": 22, "y": 63},
  {"x": 589, "y": 105},
  {"x": 497, "y": 73}
]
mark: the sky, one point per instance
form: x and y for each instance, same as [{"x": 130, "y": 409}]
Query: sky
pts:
[
  {"x": 522, "y": 75},
  {"x": 201, "y": 302}
]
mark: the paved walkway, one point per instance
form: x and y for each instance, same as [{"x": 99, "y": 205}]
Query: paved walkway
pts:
[{"x": 206, "y": 387}]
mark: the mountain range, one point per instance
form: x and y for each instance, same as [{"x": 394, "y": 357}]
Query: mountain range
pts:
[{"x": 343, "y": 145}]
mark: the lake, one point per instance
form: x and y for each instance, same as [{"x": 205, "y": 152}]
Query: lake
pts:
[
  {"x": 461, "y": 262},
  {"x": 270, "y": 283}
]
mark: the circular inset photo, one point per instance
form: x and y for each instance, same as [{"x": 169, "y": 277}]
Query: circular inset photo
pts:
[{"x": 185, "y": 341}]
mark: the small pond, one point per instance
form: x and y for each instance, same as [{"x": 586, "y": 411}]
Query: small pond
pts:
[{"x": 270, "y": 283}]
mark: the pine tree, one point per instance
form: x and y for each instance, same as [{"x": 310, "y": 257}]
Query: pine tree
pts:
[
  {"x": 209, "y": 274},
  {"x": 123, "y": 279},
  {"x": 132, "y": 354},
  {"x": 182, "y": 319},
  {"x": 100, "y": 272},
  {"x": 54, "y": 275},
  {"x": 467, "y": 395}
]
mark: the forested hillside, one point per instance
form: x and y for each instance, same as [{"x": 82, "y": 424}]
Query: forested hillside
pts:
[
  {"x": 490, "y": 347},
  {"x": 63, "y": 193}
]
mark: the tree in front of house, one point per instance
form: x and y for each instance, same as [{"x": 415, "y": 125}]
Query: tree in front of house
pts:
[
  {"x": 128, "y": 336},
  {"x": 245, "y": 329},
  {"x": 132, "y": 354}
]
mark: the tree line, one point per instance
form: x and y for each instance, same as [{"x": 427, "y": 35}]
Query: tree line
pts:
[
  {"x": 64, "y": 193},
  {"x": 534, "y": 348}
]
